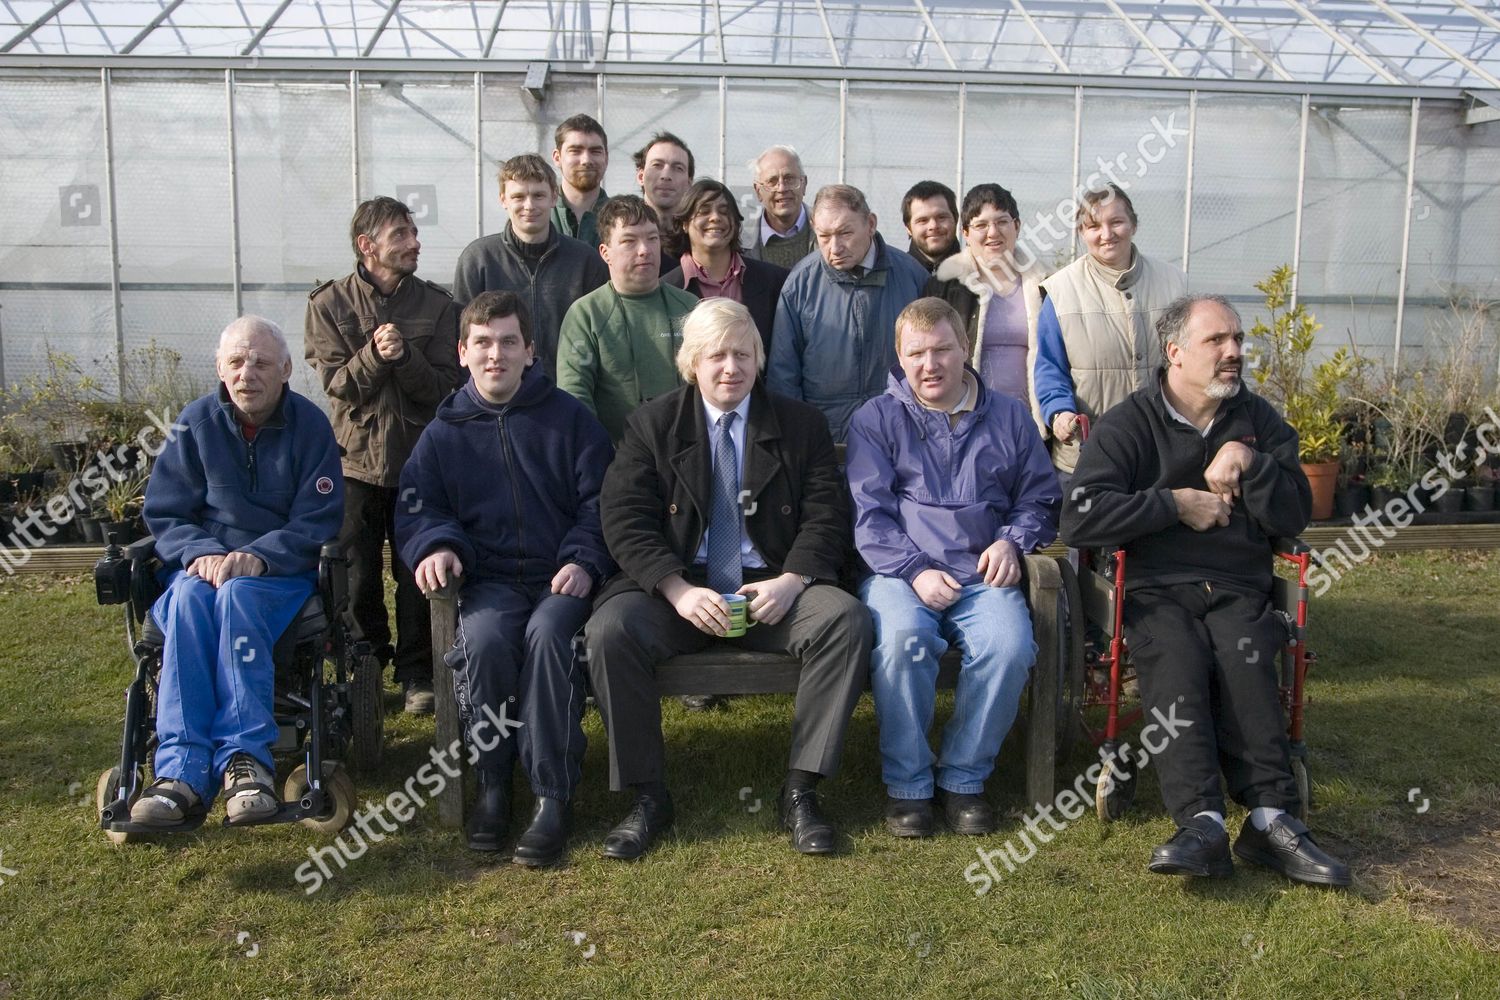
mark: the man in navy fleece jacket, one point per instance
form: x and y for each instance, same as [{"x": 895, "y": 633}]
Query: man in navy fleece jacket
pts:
[
  {"x": 240, "y": 502},
  {"x": 503, "y": 491}
]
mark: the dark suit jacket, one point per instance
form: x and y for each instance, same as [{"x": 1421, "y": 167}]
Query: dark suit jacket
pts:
[
  {"x": 657, "y": 493},
  {"x": 761, "y": 288}
]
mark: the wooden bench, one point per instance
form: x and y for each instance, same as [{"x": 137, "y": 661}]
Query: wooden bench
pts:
[{"x": 722, "y": 669}]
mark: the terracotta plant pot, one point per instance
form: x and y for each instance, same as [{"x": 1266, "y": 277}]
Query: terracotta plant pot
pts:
[{"x": 1322, "y": 477}]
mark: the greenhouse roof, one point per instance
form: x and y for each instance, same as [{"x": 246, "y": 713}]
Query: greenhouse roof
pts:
[{"x": 1378, "y": 42}]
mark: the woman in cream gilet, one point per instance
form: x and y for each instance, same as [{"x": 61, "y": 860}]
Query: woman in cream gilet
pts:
[{"x": 1096, "y": 334}]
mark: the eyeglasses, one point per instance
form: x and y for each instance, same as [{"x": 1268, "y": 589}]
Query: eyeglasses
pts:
[
  {"x": 788, "y": 181},
  {"x": 983, "y": 225}
]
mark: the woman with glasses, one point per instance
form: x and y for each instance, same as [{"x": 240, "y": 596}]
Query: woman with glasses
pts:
[
  {"x": 712, "y": 265},
  {"x": 998, "y": 298},
  {"x": 1096, "y": 335}
]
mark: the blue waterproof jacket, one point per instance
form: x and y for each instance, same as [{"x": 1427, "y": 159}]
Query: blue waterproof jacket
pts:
[
  {"x": 931, "y": 496},
  {"x": 279, "y": 496},
  {"x": 835, "y": 334},
  {"x": 512, "y": 489}
]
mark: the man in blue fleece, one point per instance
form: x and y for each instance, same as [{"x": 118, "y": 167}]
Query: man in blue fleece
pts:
[
  {"x": 503, "y": 491},
  {"x": 240, "y": 502}
]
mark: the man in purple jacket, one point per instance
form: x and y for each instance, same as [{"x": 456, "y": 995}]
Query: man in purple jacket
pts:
[
  {"x": 503, "y": 491},
  {"x": 952, "y": 486}
]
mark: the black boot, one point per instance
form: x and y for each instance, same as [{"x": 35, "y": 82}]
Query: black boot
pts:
[
  {"x": 490, "y": 816},
  {"x": 546, "y": 838}
]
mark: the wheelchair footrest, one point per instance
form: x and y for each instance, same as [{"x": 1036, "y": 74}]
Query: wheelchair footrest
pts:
[
  {"x": 120, "y": 808},
  {"x": 289, "y": 812}
]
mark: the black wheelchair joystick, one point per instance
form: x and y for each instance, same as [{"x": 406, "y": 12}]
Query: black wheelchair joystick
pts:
[{"x": 112, "y": 574}]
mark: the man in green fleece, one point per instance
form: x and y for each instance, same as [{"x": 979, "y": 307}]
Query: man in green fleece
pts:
[{"x": 619, "y": 343}]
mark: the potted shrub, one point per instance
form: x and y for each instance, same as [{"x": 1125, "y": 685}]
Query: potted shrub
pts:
[
  {"x": 122, "y": 507},
  {"x": 1309, "y": 395}
]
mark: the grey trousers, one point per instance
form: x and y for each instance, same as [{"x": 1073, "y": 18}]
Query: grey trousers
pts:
[{"x": 827, "y": 629}]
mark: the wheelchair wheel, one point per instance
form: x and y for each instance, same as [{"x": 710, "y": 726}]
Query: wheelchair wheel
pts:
[
  {"x": 1070, "y": 682},
  {"x": 105, "y": 792},
  {"x": 1304, "y": 787},
  {"x": 337, "y": 786},
  {"x": 368, "y": 715},
  {"x": 1115, "y": 791}
]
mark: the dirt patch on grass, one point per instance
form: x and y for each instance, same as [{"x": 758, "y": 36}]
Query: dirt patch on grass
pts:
[{"x": 1454, "y": 876}]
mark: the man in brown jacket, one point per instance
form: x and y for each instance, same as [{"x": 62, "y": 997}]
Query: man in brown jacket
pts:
[{"x": 385, "y": 344}]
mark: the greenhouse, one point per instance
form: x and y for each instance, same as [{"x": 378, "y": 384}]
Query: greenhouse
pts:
[{"x": 168, "y": 165}]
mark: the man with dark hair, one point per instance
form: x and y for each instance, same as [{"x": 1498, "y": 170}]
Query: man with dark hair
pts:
[
  {"x": 929, "y": 211},
  {"x": 832, "y": 342},
  {"x": 529, "y": 556},
  {"x": 1194, "y": 476},
  {"x": 619, "y": 340},
  {"x": 686, "y": 535},
  {"x": 952, "y": 488},
  {"x": 581, "y": 154},
  {"x": 664, "y": 168},
  {"x": 783, "y": 229},
  {"x": 530, "y": 257},
  {"x": 383, "y": 342},
  {"x": 241, "y": 501}
]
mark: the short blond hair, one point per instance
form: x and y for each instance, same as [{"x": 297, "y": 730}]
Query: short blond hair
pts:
[
  {"x": 925, "y": 314},
  {"x": 708, "y": 326}
]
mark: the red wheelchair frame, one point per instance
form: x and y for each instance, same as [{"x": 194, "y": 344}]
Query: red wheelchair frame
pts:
[{"x": 1100, "y": 680}]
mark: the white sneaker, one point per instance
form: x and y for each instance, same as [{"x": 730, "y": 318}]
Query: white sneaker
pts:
[
  {"x": 167, "y": 802},
  {"x": 249, "y": 792}
]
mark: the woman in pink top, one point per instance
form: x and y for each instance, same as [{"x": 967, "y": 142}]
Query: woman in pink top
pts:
[{"x": 713, "y": 267}]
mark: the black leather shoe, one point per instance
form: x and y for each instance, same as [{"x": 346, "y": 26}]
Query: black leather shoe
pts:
[
  {"x": 701, "y": 702},
  {"x": 908, "y": 817},
  {"x": 811, "y": 832},
  {"x": 490, "y": 817},
  {"x": 1200, "y": 848},
  {"x": 647, "y": 820},
  {"x": 969, "y": 815},
  {"x": 546, "y": 838},
  {"x": 1287, "y": 847}
]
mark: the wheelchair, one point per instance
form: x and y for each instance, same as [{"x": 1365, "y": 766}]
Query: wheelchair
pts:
[
  {"x": 327, "y": 699},
  {"x": 1098, "y": 673}
]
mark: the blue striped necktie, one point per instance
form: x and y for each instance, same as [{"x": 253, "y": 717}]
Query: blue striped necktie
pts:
[{"x": 725, "y": 522}]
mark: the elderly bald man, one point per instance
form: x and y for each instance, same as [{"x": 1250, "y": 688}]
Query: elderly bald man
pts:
[{"x": 241, "y": 501}]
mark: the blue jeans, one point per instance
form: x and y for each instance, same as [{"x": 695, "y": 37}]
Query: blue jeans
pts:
[
  {"x": 992, "y": 629},
  {"x": 215, "y": 695}
]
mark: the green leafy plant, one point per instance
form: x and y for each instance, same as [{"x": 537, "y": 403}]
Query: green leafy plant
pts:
[
  {"x": 1309, "y": 395},
  {"x": 124, "y": 497}
]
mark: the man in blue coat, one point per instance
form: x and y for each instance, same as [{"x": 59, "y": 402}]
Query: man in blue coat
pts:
[
  {"x": 831, "y": 344},
  {"x": 503, "y": 491},
  {"x": 241, "y": 501},
  {"x": 951, "y": 487}
]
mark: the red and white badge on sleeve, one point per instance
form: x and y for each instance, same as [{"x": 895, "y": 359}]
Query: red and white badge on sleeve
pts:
[{"x": 324, "y": 485}]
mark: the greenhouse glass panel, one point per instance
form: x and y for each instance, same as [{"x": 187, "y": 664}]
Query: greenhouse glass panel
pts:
[
  {"x": 1244, "y": 191},
  {"x": 416, "y": 144},
  {"x": 1022, "y": 139},
  {"x": 1355, "y": 197},
  {"x": 295, "y": 178},
  {"x": 896, "y": 137},
  {"x": 1140, "y": 142}
]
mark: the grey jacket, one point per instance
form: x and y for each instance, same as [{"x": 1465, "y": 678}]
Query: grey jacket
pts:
[{"x": 569, "y": 269}]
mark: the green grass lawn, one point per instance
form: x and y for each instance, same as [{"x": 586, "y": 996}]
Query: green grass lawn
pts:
[{"x": 1405, "y": 696}]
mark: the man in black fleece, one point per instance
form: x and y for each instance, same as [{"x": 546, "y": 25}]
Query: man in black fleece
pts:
[{"x": 1193, "y": 477}]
